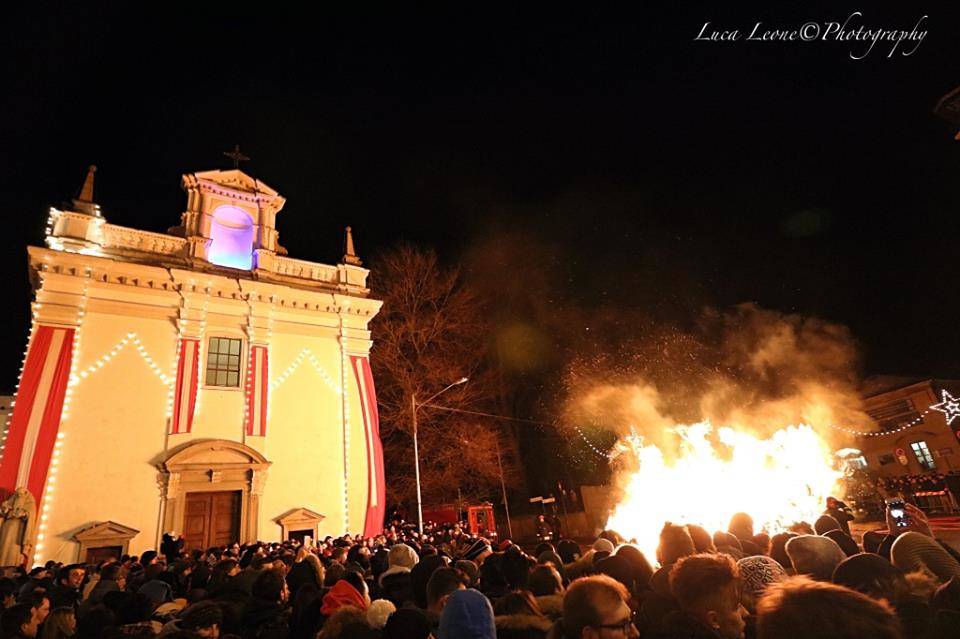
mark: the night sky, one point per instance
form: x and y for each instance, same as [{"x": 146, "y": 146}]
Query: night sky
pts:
[{"x": 663, "y": 172}]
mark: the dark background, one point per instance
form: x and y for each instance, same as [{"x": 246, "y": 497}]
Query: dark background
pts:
[{"x": 663, "y": 173}]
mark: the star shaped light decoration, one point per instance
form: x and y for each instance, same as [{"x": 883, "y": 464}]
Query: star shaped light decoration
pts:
[{"x": 950, "y": 406}]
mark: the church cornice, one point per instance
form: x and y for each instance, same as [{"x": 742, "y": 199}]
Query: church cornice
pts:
[{"x": 285, "y": 300}]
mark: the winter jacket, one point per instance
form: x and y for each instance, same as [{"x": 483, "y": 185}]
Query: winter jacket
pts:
[
  {"x": 301, "y": 573},
  {"x": 397, "y": 585},
  {"x": 264, "y": 619},
  {"x": 680, "y": 625},
  {"x": 522, "y": 626},
  {"x": 100, "y": 589},
  {"x": 551, "y": 606}
]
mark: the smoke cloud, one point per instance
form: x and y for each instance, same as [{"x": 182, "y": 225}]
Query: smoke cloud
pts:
[{"x": 751, "y": 368}]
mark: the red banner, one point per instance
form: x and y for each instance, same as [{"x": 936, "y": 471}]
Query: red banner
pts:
[
  {"x": 36, "y": 414},
  {"x": 185, "y": 397},
  {"x": 373, "y": 524}
]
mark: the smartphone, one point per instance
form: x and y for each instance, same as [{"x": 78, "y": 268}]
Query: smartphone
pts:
[{"x": 898, "y": 512}]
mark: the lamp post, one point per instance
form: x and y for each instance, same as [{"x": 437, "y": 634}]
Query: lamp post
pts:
[{"x": 416, "y": 450}]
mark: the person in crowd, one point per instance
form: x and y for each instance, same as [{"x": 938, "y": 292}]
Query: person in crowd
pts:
[
  {"x": 914, "y": 550},
  {"x": 756, "y": 574},
  {"x": 840, "y": 512},
  {"x": 395, "y": 583},
  {"x": 569, "y": 551},
  {"x": 112, "y": 579},
  {"x": 546, "y": 585},
  {"x": 408, "y": 623},
  {"x": 66, "y": 592},
  {"x": 469, "y": 570},
  {"x": 595, "y": 607},
  {"x": 845, "y": 541},
  {"x": 265, "y": 617},
  {"x": 707, "y": 590},
  {"x": 349, "y": 591},
  {"x": 306, "y": 570},
  {"x": 517, "y": 616},
  {"x": 702, "y": 540},
  {"x": 492, "y": 581},
  {"x": 801, "y": 608},
  {"x": 443, "y": 583},
  {"x": 378, "y": 612},
  {"x": 61, "y": 623},
  {"x": 171, "y": 546},
  {"x": 18, "y": 621},
  {"x": 420, "y": 577},
  {"x": 203, "y": 618},
  {"x": 516, "y": 566},
  {"x": 39, "y": 604},
  {"x": 348, "y": 622},
  {"x": 877, "y": 578},
  {"x": 824, "y": 524},
  {"x": 8, "y": 592},
  {"x": 467, "y": 615},
  {"x": 777, "y": 549},
  {"x": 814, "y": 556},
  {"x": 741, "y": 525}
]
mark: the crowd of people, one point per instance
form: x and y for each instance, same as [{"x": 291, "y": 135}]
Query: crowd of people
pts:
[{"x": 814, "y": 580}]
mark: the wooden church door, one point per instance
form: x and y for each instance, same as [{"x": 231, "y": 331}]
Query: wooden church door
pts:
[{"x": 211, "y": 519}]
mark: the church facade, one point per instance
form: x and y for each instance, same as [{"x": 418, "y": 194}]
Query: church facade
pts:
[{"x": 197, "y": 381}]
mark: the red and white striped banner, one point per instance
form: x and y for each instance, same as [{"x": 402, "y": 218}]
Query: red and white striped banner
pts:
[
  {"x": 373, "y": 524},
  {"x": 256, "y": 392},
  {"x": 36, "y": 414},
  {"x": 185, "y": 391}
]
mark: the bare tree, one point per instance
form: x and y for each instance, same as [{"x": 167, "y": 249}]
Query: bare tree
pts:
[{"x": 432, "y": 331}]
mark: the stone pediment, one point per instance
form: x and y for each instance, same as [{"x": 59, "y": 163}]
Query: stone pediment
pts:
[
  {"x": 105, "y": 530},
  {"x": 234, "y": 179},
  {"x": 298, "y": 515},
  {"x": 215, "y": 453}
]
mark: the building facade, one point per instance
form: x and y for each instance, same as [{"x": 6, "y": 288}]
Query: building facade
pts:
[
  {"x": 197, "y": 381},
  {"x": 920, "y": 440},
  {"x": 914, "y": 451}
]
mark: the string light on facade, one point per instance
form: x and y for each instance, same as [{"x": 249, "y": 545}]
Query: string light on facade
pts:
[
  {"x": 103, "y": 360},
  {"x": 305, "y": 354},
  {"x": 345, "y": 402},
  {"x": 72, "y": 380},
  {"x": 906, "y": 425}
]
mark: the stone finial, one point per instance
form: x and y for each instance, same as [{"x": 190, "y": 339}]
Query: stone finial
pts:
[
  {"x": 349, "y": 254},
  {"x": 86, "y": 191},
  {"x": 84, "y": 201}
]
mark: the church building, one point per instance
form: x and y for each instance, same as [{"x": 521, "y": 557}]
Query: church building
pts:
[{"x": 198, "y": 381}]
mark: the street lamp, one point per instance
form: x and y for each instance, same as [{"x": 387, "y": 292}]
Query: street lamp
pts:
[{"x": 416, "y": 451}]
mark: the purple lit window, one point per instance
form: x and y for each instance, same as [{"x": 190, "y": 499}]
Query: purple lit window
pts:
[{"x": 231, "y": 238}]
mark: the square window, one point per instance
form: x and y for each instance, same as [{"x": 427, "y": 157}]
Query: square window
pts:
[
  {"x": 923, "y": 455},
  {"x": 223, "y": 362}
]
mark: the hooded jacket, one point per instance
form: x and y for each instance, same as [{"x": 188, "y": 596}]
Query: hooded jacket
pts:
[
  {"x": 342, "y": 594},
  {"x": 467, "y": 615}
]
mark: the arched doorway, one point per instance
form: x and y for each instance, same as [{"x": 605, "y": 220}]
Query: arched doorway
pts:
[{"x": 210, "y": 492}]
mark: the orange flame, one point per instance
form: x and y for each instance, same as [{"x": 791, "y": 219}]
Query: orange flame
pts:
[{"x": 777, "y": 481}]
